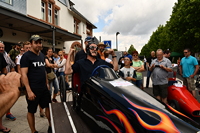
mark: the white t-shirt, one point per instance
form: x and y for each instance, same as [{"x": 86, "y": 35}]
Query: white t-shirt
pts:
[
  {"x": 61, "y": 64},
  {"x": 18, "y": 58},
  {"x": 128, "y": 72}
]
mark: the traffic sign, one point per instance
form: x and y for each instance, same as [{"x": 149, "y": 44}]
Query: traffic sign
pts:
[{"x": 108, "y": 43}]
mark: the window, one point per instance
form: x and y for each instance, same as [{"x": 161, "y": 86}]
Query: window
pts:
[
  {"x": 43, "y": 11},
  {"x": 7, "y": 1},
  {"x": 76, "y": 26},
  {"x": 49, "y": 12},
  {"x": 56, "y": 17}
]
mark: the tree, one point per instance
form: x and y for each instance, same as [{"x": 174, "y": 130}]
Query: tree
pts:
[{"x": 131, "y": 49}]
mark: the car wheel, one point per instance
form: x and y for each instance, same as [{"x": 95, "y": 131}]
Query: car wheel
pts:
[{"x": 174, "y": 104}]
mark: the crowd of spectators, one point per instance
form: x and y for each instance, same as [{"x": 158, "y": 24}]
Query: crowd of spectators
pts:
[{"x": 40, "y": 72}]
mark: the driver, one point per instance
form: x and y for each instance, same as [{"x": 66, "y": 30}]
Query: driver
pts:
[{"x": 86, "y": 66}]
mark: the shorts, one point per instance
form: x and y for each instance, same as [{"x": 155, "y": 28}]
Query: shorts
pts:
[
  {"x": 43, "y": 98},
  {"x": 189, "y": 83},
  {"x": 160, "y": 90}
]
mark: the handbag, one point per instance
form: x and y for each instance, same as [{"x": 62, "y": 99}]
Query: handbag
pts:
[{"x": 51, "y": 75}]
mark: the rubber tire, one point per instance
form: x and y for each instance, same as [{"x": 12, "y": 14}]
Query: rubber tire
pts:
[
  {"x": 63, "y": 89},
  {"x": 174, "y": 104}
]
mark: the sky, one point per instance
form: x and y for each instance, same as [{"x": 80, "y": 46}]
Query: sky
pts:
[{"x": 135, "y": 20}]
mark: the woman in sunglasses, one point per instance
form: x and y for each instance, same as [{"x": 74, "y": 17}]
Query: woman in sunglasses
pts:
[
  {"x": 61, "y": 64},
  {"x": 138, "y": 65}
]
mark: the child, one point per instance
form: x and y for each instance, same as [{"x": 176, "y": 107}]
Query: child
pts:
[{"x": 128, "y": 72}]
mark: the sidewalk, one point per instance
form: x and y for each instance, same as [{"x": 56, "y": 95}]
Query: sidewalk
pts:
[{"x": 20, "y": 125}]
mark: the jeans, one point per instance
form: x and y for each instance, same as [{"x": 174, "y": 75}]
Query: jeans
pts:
[
  {"x": 148, "y": 77},
  {"x": 55, "y": 84}
]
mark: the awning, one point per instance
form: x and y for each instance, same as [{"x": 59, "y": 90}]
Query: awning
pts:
[{"x": 16, "y": 21}]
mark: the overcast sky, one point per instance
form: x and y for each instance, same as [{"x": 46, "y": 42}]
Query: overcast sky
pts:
[{"x": 134, "y": 19}]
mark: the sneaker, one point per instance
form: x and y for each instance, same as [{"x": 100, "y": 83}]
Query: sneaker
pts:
[
  {"x": 54, "y": 100},
  {"x": 10, "y": 117}
]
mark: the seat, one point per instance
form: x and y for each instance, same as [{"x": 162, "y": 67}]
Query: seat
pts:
[{"x": 76, "y": 84}]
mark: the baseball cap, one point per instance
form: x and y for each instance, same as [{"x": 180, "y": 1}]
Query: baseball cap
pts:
[
  {"x": 35, "y": 38},
  {"x": 129, "y": 56},
  {"x": 88, "y": 38}
]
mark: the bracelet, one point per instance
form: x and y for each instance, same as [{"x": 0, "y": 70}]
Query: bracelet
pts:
[{"x": 114, "y": 56}]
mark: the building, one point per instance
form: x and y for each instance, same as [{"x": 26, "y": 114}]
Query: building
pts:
[{"x": 57, "y": 21}]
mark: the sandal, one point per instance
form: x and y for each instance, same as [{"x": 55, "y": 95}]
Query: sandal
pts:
[{"x": 6, "y": 130}]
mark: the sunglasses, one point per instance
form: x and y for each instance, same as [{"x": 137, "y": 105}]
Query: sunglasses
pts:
[
  {"x": 59, "y": 55},
  {"x": 135, "y": 55},
  {"x": 93, "y": 47},
  {"x": 185, "y": 52},
  {"x": 22, "y": 50}
]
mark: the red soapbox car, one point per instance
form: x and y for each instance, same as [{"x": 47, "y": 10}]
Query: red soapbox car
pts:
[{"x": 181, "y": 99}]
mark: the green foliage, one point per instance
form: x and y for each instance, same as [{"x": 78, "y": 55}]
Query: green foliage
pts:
[
  {"x": 181, "y": 31},
  {"x": 131, "y": 49}
]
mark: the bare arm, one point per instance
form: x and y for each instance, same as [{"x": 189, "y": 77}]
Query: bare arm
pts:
[
  {"x": 9, "y": 92},
  {"x": 115, "y": 62},
  {"x": 68, "y": 66},
  {"x": 25, "y": 81},
  {"x": 195, "y": 72}
]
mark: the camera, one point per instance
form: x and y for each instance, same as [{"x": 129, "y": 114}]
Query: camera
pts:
[{"x": 157, "y": 65}]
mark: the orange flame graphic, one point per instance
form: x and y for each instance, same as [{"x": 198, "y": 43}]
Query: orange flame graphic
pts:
[
  {"x": 116, "y": 128},
  {"x": 178, "y": 112},
  {"x": 122, "y": 119},
  {"x": 165, "y": 125}
]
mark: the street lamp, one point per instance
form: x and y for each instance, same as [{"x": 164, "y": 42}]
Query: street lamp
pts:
[{"x": 116, "y": 40}]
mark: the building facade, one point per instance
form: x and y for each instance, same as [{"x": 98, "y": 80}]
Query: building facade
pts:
[{"x": 57, "y": 21}]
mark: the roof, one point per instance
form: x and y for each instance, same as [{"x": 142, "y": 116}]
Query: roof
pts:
[{"x": 79, "y": 14}]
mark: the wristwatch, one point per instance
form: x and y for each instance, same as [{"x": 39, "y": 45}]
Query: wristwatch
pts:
[{"x": 114, "y": 56}]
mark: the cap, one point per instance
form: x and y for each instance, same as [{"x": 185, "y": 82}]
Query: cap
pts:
[
  {"x": 129, "y": 56},
  {"x": 102, "y": 44},
  {"x": 35, "y": 38},
  {"x": 88, "y": 38}
]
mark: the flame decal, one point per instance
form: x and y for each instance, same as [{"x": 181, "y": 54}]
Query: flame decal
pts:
[
  {"x": 122, "y": 118},
  {"x": 165, "y": 124},
  {"x": 178, "y": 112},
  {"x": 116, "y": 128}
]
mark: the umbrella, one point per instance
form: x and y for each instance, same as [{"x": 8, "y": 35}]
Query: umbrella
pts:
[{"x": 176, "y": 54}]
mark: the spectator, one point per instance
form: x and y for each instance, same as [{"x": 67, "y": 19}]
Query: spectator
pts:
[
  {"x": 82, "y": 54},
  {"x": 14, "y": 51},
  {"x": 167, "y": 53},
  {"x": 61, "y": 64},
  {"x": 160, "y": 68},
  {"x": 121, "y": 59},
  {"x": 55, "y": 56},
  {"x": 26, "y": 47},
  {"x": 148, "y": 63},
  {"x": 128, "y": 72},
  {"x": 10, "y": 67},
  {"x": 34, "y": 78},
  {"x": 179, "y": 64},
  {"x": 65, "y": 55},
  {"x": 188, "y": 69},
  {"x": 50, "y": 65},
  {"x": 101, "y": 49},
  {"x": 138, "y": 65},
  {"x": 87, "y": 65}
]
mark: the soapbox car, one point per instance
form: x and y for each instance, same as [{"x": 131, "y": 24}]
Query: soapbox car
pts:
[
  {"x": 182, "y": 100},
  {"x": 111, "y": 104}
]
